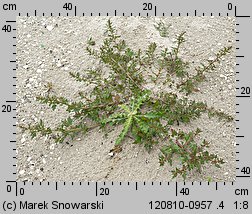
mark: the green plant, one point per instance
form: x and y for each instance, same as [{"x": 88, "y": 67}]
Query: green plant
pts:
[
  {"x": 162, "y": 28},
  {"x": 191, "y": 155},
  {"x": 121, "y": 97},
  {"x": 144, "y": 126},
  {"x": 190, "y": 84}
]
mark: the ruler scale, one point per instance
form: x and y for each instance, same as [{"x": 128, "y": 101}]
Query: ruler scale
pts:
[{"x": 126, "y": 197}]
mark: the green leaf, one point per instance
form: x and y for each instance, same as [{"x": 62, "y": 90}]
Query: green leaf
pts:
[
  {"x": 125, "y": 130},
  {"x": 91, "y": 41},
  {"x": 129, "y": 52},
  {"x": 144, "y": 127},
  {"x": 115, "y": 118},
  {"x": 184, "y": 175},
  {"x": 151, "y": 115},
  {"x": 125, "y": 108}
]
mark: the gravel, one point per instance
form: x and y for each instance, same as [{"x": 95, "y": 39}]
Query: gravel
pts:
[{"x": 49, "y": 47}]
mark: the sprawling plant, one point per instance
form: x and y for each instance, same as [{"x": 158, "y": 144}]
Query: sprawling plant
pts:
[{"x": 121, "y": 97}]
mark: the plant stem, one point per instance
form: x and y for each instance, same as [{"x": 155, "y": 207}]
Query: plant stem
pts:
[
  {"x": 126, "y": 72},
  {"x": 210, "y": 65}
]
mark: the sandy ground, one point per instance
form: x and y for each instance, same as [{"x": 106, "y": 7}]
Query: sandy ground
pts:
[{"x": 49, "y": 47}]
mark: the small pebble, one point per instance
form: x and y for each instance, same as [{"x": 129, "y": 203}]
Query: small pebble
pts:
[
  {"x": 222, "y": 76},
  {"x": 49, "y": 27},
  {"x": 52, "y": 146},
  {"x": 111, "y": 154},
  {"x": 59, "y": 64},
  {"x": 21, "y": 172}
]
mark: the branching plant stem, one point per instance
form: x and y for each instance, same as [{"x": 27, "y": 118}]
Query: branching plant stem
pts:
[{"x": 122, "y": 98}]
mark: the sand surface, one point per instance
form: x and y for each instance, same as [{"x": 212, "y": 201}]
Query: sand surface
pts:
[{"x": 49, "y": 47}]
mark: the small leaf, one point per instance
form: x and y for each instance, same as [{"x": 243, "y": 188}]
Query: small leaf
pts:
[
  {"x": 144, "y": 127},
  {"x": 125, "y": 130},
  {"x": 125, "y": 108}
]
